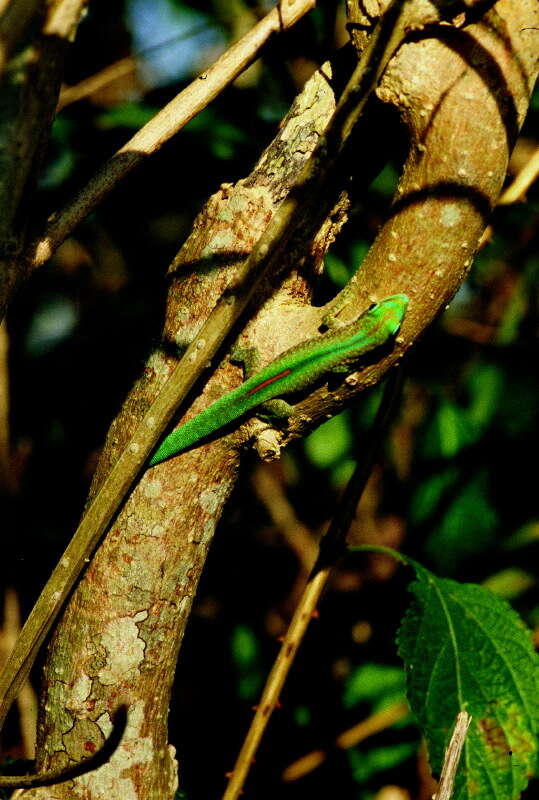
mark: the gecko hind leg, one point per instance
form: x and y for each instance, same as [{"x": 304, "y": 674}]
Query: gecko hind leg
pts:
[{"x": 277, "y": 411}]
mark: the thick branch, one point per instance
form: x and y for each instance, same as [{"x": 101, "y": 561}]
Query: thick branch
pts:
[{"x": 158, "y": 543}]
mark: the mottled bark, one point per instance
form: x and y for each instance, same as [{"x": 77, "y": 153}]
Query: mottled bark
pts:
[
  {"x": 463, "y": 94},
  {"x": 139, "y": 589}
]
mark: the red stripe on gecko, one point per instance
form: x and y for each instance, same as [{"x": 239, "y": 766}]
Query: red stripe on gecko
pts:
[{"x": 268, "y": 381}]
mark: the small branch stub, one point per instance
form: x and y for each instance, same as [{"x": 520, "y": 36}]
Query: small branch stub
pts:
[{"x": 452, "y": 757}]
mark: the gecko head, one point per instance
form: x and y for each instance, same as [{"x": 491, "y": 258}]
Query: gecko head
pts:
[{"x": 392, "y": 311}]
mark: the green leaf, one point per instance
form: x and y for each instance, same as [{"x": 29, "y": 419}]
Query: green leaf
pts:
[
  {"x": 515, "y": 311},
  {"x": 518, "y": 404},
  {"x": 448, "y": 432},
  {"x": 358, "y": 251},
  {"x": 302, "y": 716},
  {"x": 386, "y": 182},
  {"x": 244, "y": 647},
  {"x": 329, "y": 443},
  {"x": 466, "y": 649},
  {"x": 220, "y": 136},
  {"x": 374, "y": 683},
  {"x": 366, "y": 764},
  {"x": 61, "y": 158},
  {"x": 525, "y": 535},
  {"x": 485, "y": 385},
  {"x": 126, "y": 115},
  {"x": 336, "y": 270},
  {"x": 430, "y": 493},
  {"x": 247, "y": 659},
  {"x": 467, "y": 527}
]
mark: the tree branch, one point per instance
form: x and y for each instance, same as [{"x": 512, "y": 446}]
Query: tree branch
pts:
[{"x": 168, "y": 122}]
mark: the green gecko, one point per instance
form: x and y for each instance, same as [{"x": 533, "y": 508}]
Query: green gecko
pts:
[
  {"x": 336, "y": 351},
  {"x": 294, "y": 370}
]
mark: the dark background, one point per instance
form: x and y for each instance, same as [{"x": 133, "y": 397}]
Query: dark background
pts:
[{"x": 456, "y": 487}]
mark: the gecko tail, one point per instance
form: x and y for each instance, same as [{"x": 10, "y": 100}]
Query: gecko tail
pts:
[{"x": 199, "y": 427}]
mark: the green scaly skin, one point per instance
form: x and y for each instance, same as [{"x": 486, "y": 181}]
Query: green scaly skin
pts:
[
  {"x": 297, "y": 368},
  {"x": 294, "y": 370}
]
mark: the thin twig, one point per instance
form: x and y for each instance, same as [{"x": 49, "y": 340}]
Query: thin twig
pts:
[
  {"x": 275, "y": 682},
  {"x": 171, "y": 119},
  {"x": 522, "y": 181},
  {"x": 27, "y": 699},
  {"x": 452, "y": 756},
  {"x": 296, "y": 535},
  {"x": 14, "y": 22},
  {"x": 331, "y": 549},
  {"x": 88, "y": 86},
  {"x": 377, "y": 722},
  {"x": 119, "y": 69}
]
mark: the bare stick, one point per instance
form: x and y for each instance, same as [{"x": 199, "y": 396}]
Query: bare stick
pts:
[
  {"x": 522, "y": 182},
  {"x": 377, "y": 722},
  {"x": 118, "y": 69},
  {"x": 331, "y": 548},
  {"x": 452, "y": 756},
  {"x": 27, "y": 700},
  {"x": 171, "y": 119}
]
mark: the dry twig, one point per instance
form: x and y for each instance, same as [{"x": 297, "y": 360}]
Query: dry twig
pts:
[
  {"x": 171, "y": 119},
  {"x": 522, "y": 182},
  {"x": 331, "y": 549},
  {"x": 27, "y": 700},
  {"x": 358, "y": 733},
  {"x": 452, "y": 756}
]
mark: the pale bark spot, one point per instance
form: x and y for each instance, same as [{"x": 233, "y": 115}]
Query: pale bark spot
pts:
[
  {"x": 124, "y": 648},
  {"x": 152, "y": 489},
  {"x": 450, "y": 215}
]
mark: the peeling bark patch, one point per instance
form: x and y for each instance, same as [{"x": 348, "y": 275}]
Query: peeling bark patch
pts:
[
  {"x": 157, "y": 363},
  {"x": 81, "y": 690},
  {"x": 56, "y": 699},
  {"x": 105, "y": 723},
  {"x": 111, "y": 780},
  {"x": 124, "y": 648},
  {"x": 83, "y": 738},
  {"x": 223, "y": 240}
]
